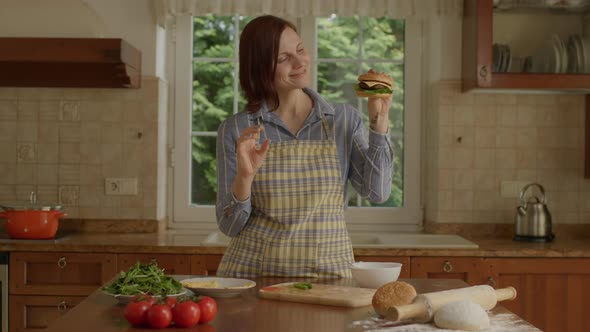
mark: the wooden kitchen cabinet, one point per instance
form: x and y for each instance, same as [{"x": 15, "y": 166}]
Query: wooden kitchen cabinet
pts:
[
  {"x": 34, "y": 313},
  {"x": 468, "y": 269},
  {"x": 552, "y": 293},
  {"x": 59, "y": 273},
  {"x": 198, "y": 265},
  {"x": 69, "y": 62},
  {"x": 171, "y": 263},
  {"x": 45, "y": 285},
  {"x": 404, "y": 260},
  {"x": 205, "y": 264},
  {"x": 483, "y": 25}
]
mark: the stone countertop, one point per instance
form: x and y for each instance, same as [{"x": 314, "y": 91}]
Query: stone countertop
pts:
[{"x": 183, "y": 243}]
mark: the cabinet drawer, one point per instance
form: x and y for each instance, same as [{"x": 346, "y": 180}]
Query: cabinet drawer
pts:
[
  {"x": 467, "y": 269},
  {"x": 205, "y": 264},
  {"x": 171, "y": 263},
  {"x": 35, "y": 313},
  {"x": 59, "y": 273}
]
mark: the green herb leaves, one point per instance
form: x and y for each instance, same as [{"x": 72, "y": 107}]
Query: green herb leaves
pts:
[
  {"x": 302, "y": 285},
  {"x": 144, "y": 279}
]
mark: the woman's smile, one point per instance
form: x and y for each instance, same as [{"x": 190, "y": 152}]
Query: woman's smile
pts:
[{"x": 299, "y": 74}]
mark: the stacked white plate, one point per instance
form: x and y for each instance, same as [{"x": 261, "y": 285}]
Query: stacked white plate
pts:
[
  {"x": 502, "y": 58},
  {"x": 557, "y": 56},
  {"x": 551, "y": 57},
  {"x": 577, "y": 49}
]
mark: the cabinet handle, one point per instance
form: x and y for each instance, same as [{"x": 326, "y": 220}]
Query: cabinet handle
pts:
[
  {"x": 61, "y": 262},
  {"x": 62, "y": 306},
  {"x": 154, "y": 260},
  {"x": 483, "y": 73},
  {"x": 492, "y": 282},
  {"x": 447, "y": 266}
]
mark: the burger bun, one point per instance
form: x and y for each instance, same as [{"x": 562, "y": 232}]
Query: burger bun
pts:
[
  {"x": 392, "y": 294},
  {"x": 372, "y": 75}
]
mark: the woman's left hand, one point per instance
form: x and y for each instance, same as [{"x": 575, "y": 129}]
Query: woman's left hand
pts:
[{"x": 379, "y": 113}]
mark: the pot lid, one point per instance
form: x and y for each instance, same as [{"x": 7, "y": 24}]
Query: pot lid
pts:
[{"x": 32, "y": 205}]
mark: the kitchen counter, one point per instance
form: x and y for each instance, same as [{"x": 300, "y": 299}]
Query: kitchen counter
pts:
[
  {"x": 100, "y": 312},
  {"x": 182, "y": 243}
]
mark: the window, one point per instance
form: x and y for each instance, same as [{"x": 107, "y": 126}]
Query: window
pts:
[
  {"x": 348, "y": 46},
  {"x": 206, "y": 91}
]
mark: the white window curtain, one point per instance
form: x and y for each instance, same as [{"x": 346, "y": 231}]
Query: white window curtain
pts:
[{"x": 399, "y": 9}]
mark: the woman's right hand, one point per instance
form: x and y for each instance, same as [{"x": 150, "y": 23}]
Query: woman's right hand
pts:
[{"x": 250, "y": 157}]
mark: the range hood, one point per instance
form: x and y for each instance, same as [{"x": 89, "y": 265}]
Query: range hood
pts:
[{"x": 69, "y": 62}]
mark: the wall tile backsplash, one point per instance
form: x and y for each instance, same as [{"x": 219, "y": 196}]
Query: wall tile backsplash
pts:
[
  {"x": 63, "y": 143},
  {"x": 475, "y": 141}
]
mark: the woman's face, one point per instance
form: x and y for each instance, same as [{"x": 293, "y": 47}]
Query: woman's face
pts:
[{"x": 292, "y": 70}]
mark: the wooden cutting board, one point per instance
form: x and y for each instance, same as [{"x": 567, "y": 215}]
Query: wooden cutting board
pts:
[{"x": 341, "y": 296}]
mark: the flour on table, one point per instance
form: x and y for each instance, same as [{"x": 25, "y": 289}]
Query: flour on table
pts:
[{"x": 498, "y": 323}]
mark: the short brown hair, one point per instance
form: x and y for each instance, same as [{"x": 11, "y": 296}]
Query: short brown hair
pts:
[{"x": 259, "y": 49}]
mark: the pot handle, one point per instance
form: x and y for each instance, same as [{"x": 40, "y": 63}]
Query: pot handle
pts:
[
  {"x": 62, "y": 214},
  {"x": 524, "y": 190}
]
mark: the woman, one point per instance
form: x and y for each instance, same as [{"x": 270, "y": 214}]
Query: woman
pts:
[{"x": 283, "y": 201}]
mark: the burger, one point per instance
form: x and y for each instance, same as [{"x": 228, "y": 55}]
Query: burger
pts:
[{"x": 374, "y": 84}]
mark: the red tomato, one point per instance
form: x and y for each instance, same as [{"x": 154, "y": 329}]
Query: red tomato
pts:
[
  {"x": 208, "y": 308},
  {"x": 171, "y": 302},
  {"x": 136, "y": 311},
  {"x": 159, "y": 316},
  {"x": 186, "y": 314}
]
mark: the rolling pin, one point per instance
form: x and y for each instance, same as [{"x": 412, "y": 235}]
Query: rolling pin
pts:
[{"x": 424, "y": 306}]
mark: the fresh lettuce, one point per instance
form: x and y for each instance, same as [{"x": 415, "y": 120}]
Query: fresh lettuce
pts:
[{"x": 384, "y": 90}]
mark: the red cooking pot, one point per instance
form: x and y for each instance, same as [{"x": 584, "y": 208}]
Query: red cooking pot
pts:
[{"x": 33, "y": 221}]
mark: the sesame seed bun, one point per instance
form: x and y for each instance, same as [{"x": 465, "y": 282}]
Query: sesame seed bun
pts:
[{"x": 392, "y": 294}]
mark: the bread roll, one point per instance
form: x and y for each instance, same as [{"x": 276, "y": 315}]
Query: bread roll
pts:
[{"x": 392, "y": 294}]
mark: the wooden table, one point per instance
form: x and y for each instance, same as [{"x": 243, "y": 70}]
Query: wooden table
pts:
[{"x": 100, "y": 312}]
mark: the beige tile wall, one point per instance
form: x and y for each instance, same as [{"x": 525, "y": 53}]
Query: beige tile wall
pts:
[
  {"x": 477, "y": 140},
  {"x": 63, "y": 143}
]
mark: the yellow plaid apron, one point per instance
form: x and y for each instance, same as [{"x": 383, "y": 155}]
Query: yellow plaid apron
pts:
[{"x": 297, "y": 227}]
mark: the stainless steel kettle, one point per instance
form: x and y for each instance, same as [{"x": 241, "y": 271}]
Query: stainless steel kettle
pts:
[{"x": 533, "y": 220}]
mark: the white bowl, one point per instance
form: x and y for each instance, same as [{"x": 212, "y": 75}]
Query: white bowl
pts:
[{"x": 375, "y": 274}]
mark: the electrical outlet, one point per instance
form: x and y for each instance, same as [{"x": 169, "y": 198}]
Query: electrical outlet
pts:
[
  {"x": 120, "y": 186},
  {"x": 511, "y": 189}
]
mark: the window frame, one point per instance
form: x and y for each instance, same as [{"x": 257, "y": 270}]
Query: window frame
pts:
[{"x": 184, "y": 215}]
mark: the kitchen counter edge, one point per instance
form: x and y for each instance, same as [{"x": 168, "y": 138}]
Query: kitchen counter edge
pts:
[{"x": 170, "y": 243}]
